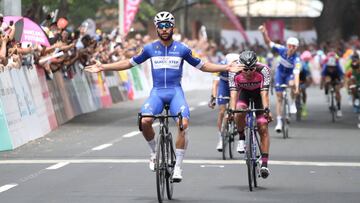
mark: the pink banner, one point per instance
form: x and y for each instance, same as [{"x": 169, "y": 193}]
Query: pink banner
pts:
[
  {"x": 223, "y": 6},
  {"x": 131, "y": 7},
  {"x": 276, "y": 30}
]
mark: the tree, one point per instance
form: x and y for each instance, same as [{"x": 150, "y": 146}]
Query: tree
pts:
[
  {"x": 338, "y": 20},
  {"x": 76, "y": 10}
]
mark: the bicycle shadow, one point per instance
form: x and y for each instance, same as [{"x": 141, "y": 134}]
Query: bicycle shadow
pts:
[{"x": 242, "y": 188}]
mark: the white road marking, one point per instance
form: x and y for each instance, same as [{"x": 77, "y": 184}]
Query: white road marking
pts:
[
  {"x": 191, "y": 109},
  {"x": 193, "y": 161},
  {"x": 212, "y": 166},
  {"x": 131, "y": 134},
  {"x": 57, "y": 166},
  {"x": 204, "y": 103},
  {"x": 101, "y": 147},
  {"x": 155, "y": 124},
  {"x": 7, "y": 187}
]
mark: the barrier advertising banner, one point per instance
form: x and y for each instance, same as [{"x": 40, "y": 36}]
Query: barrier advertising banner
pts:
[
  {"x": 46, "y": 97},
  {"x": 5, "y": 91}
]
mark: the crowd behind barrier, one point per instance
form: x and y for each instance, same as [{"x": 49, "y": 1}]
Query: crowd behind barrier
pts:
[{"x": 31, "y": 106}]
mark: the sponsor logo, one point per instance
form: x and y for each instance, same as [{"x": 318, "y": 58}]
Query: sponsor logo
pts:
[
  {"x": 171, "y": 62},
  {"x": 249, "y": 84}
]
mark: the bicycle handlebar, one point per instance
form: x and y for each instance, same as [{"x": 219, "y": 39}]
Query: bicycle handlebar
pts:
[
  {"x": 161, "y": 117},
  {"x": 247, "y": 110}
]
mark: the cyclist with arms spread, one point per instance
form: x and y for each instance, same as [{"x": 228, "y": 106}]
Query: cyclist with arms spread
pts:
[
  {"x": 287, "y": 72},
  {"x": 167, "y": 58},
  {"x": 252, "y": 83}
]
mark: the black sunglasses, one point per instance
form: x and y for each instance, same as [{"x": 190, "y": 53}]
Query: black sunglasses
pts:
[{"x": 248, "y": 69}]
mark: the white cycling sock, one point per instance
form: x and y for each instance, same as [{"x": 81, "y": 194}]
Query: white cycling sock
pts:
[
  {"x": 219, "y": 135},
  {"x": 179, "y": 157},
  {"x": 152, "y": 145}
]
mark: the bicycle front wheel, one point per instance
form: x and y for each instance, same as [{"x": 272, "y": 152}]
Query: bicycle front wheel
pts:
[
  {"x": 249, "y": 162},
  {"x": 285, "y": 119},
  {"x": 232, "y": 133},
  {"x": 225, "y": 138},
  {"x": 160, "y": 169},
  {"x": 170, "y": 160},
  {"x": 255, "y": 157},
  {"x": 332, "y": 107}
]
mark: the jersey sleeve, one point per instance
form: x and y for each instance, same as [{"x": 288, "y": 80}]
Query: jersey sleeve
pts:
[
  {"x": 276, "y": 47},
  {"x": 141, "y": 57},
  {"x": 266, "y": 73},
  {"x": 232, "y": 84},
  {"x": 191, "y": 59}
]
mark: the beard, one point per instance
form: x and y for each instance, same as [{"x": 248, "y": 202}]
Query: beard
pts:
[{"x": 168, "y": 38}]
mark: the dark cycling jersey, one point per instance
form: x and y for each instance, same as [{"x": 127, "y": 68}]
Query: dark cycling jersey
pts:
[{"x": 260, "y": 80}]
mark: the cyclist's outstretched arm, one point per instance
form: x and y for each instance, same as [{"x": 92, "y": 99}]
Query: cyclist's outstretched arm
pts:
[
  {"x": 265, "y": 35},
  {"x": 117, "y": 66},
  {"x": 212, "y": 67}
]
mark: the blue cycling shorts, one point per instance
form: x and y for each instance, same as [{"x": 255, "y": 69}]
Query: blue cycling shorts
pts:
[
  {"x": 160, "y": 96},
  {"x": 223, "y": 91},
  {"x": 282, "y": 78}
]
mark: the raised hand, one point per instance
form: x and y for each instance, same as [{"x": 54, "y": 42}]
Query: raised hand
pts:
[{"x": 262, "y": 28}]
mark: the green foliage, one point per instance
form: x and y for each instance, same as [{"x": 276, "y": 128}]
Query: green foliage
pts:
[{"x": 77, "y": 11}]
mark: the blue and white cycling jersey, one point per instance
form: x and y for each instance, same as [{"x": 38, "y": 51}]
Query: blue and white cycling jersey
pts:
[
  {"x": 223, "y": 89},
  {"x": 166, "y": 66},
  {"x": 288, "y": 66},
  {"x": 167, "y": 62}
]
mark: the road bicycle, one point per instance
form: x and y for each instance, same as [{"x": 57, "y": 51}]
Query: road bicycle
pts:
[
  {"x": 285, "y": 116},
  {"x": 252, "y": 144},
  {"x": 165, "y": 153},
  {"x": 228, "y": 133}
]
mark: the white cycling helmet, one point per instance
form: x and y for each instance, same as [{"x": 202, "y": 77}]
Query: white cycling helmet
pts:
[
  {"x": 292, "y": 41},
  {"x": 231, "y": 57},
  {"x": 164, "y": 16},
  {"x": 331, "y": 61}
]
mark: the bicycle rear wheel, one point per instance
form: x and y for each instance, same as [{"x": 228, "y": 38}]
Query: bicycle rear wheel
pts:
[
  {"x": 170, "y": 160},
  {"x": 225, "y": 138},
  {"x": 160, "y": 169},
  {"x": 249, "y": 162}
]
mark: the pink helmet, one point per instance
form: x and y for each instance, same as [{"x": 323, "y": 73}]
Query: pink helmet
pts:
[{"x": 306, "y": 56}]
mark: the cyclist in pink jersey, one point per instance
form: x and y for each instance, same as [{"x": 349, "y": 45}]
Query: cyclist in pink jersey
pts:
[{"x": 252, "y": 83}]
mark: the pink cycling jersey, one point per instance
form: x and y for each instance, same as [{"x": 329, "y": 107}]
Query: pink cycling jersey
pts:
[{"x": 260, "y": 80}]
